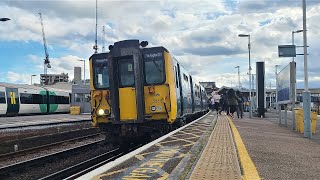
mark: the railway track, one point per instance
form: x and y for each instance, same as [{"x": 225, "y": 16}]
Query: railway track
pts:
[
  {"x": 22, "y": 168},
  {"x": 46, "y": 146},
  {"x": 25, "y": 144}
]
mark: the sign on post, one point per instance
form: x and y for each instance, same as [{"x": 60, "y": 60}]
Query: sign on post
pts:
[{"x": 287, "y": 50}]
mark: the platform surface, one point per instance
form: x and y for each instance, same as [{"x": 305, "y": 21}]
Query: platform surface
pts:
[
  {"x": 18, "y": 121},
  {"x": 277, "y": 151},
  {"x": 219, "y": 159}
]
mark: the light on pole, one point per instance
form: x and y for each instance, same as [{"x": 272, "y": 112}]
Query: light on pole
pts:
[
  {"x": 4, "y": 19},
  {"x": 276, "y": 73},
  {"x": 293, "y": 88},
  {"x": 250, "y": 84},
  {"x": 84, "y": 71},
  {"x": 306, "y": 92},
  {"x": 238, "y": 76},
  {"x": 32, "y": 76}
]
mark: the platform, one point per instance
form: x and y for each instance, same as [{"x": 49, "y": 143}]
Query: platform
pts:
[
  {"x": 33, "y": 120},
  {"x": 221, "y": 148}
]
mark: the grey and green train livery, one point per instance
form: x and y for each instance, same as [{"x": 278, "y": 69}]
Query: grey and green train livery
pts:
[{"x": 26, "y": 99}]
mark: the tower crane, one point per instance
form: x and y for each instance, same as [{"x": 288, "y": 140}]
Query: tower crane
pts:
[{"x": 46, "y": 63}]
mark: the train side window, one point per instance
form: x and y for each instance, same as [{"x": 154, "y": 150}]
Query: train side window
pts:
[
  {"x": 37, "y": 99},
  {"x": 185, "y": 77},
  {"x": 2, "y": 98},
  {"x": 176, "y": 76},
  {"x": 26, "y": 98}
]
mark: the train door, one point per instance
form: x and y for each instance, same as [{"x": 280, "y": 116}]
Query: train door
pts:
[
  {"x": 179, "y": 103},
  {"x": 127, "y": 90},
  {"x": 13, "y": 103},
  {"x": 180, "y": 89},
  {"x": 192, "y": 94}
]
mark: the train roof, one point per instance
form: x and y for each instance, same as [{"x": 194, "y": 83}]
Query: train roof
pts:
[{"x": 26, "y": 86}]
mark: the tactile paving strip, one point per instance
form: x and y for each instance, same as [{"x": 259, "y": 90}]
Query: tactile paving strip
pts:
[{"x": 219, "y": 159}]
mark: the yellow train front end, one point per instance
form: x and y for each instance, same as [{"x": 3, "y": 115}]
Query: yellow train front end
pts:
[{"x": 133, "y": 91}]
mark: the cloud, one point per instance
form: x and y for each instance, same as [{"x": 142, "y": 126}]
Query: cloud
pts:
[{"x": 202, "y": 34}]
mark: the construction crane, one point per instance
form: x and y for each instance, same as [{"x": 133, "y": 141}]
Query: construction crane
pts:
[{"x": 46, "y": 63}]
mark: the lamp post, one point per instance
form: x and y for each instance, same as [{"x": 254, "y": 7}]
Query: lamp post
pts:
[
  {"x": 276, "y": 73},
  {"x": 238, "y": 76},
  {"x": 249, "y": 48},
  {"x": 293, "y": 87},
  {"x": 306, "y": 92},
  {"x": 84, "y": 70},
  {"x": 32, "y": 76},
  {"x": 4, "y": 19}
]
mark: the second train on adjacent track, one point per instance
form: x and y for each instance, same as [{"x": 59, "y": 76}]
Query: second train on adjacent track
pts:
[{"x": 140, "y": 91}]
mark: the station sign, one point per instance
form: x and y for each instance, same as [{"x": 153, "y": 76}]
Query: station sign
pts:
[{"x": 287, "y": 50}]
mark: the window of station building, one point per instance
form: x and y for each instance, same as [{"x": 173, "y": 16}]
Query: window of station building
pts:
[
  {"x": 154, "y": 68},
  {"x": 2, "y": 98},
  {"x": 101, "y": 75},
  {"x": 126, "y": 77}
]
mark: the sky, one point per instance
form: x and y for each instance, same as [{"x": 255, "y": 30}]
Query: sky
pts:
[{"x": 201, "y": 34}]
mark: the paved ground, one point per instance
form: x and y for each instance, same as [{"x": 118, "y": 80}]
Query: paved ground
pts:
[
  {"x": 274, "y": 117},
  {"x": 219, "y": 158},
  {"x": 277, "y": 151}
]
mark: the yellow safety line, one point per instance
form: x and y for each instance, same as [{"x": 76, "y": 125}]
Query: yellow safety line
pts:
[{"x": 249, "y": 170}]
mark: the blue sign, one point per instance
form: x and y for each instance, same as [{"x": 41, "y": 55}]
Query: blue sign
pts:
[{"x": 284, "y": 85}]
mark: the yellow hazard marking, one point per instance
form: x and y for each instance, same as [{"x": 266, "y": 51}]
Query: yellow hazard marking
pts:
[
  {"x": 192, "y": 134},
  {"x": 138, "y": 156},
  {"x": 248, "y": 168},
  {"x": 147, "y": 169},
  {"x": 110, "y": 173},
  {"x": 13, "y": 98}
]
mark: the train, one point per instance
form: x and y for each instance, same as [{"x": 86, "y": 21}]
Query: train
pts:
[
  {"x": 139, "y": 92},
  {"x": 20, "y": 99}
]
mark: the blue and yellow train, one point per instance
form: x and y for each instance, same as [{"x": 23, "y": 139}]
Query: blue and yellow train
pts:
[{"x": 140, "y": 91}]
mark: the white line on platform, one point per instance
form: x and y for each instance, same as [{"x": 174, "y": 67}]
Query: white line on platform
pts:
[{"x": 123, "y": 158}]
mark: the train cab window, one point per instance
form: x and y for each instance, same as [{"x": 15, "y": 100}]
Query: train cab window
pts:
[
  {"x": 2, "y": 98},
  {"x": 101, "y": 75},
  {"x": 154, "y": 68},
  {"x": 126, "y": 73}
]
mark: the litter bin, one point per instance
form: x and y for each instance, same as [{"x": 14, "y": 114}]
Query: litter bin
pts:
[
  {"x": 74, "y": 110},
  {"x": 300, "y": 121}
]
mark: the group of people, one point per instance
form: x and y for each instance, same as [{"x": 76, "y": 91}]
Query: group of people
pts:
[{"x": 230, "y": 102}]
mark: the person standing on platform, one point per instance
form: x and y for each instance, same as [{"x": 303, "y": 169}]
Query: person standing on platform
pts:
[
  {"x": 215, "y": 99},
  {"x": 240, "y": 104},
  {"x": 224, "y": 103},
  {"x": 232, "y": 102}
]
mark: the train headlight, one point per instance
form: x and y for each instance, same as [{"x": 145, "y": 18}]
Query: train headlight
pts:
[
  {"x": 106, "y": 111},
  {"x": 100, "y": 112}
]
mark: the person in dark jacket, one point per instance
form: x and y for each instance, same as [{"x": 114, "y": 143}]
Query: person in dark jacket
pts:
[
  {"x": 232, "y": 102},
  {"x": 240, "y": 104},
  {"x": 223, "y": 103}
]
